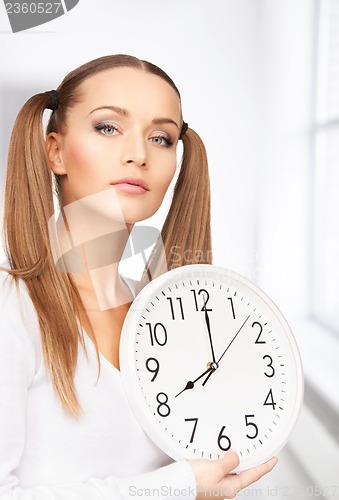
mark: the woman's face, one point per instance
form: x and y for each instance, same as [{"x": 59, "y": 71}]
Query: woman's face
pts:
[{"x": 127, "y": 125}]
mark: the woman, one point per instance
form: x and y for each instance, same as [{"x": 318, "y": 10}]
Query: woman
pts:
[{"x": 66, "y": 430}]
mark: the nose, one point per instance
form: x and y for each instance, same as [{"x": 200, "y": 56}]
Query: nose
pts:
[{"x": 134, "y": 151}]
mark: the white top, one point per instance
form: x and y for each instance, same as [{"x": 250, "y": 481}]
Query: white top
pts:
[{"x": 45, "y": 454}]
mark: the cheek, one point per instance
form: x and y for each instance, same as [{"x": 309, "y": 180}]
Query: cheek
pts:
[
  {"x": 165, "y": 176},
  {"x": 81, "y": 158},
  {"x": 82, "y": 164}
]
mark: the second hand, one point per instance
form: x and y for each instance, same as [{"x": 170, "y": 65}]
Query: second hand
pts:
[{"x": 229, "y": 345}]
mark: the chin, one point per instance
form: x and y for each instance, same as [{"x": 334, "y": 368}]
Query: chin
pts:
[
  {"x": 134, "y": 218},
  {"x": 133, "y": 214}
]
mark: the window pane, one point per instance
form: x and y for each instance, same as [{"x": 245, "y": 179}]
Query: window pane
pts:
[
  {"x": 328, "y": 62},
  {"x": 326, "y": 234},
  {"x": 333, "y": 62}
]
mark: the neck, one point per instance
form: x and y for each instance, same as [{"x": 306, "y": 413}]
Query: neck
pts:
[
  {"x": 89, "y": 246},
  {"x": 100, "y": 284}
]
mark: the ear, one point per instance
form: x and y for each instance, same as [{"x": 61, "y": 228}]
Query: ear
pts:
[{"x": 54, "y": 153}]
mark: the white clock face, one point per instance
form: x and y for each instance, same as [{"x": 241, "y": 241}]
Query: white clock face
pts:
[{"x": 208, "y": 364}]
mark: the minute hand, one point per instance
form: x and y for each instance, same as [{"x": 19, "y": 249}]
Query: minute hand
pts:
[
  {"x": 209, "y": 334},
  {"x": 229, "y": 345}
]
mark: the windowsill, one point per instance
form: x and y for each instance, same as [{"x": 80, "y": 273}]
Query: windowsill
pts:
[{"x": 319, "y": 350}]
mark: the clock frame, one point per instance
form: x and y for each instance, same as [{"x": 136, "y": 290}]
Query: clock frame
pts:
[{"x": 209, "y": 363}]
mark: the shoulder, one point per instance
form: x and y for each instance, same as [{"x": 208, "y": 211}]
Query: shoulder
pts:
[
  {"x": 12, "y": 292},
  {"x": 20, "y": 352},
  {"x": 8, "y": 288},
  {"x": 19, "y": 320}
]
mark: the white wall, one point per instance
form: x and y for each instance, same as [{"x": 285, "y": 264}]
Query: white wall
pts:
[{"x": 287, "y": 43}]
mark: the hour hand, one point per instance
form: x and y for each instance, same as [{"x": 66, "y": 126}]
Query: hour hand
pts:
[{"x": 190, "y": 383}]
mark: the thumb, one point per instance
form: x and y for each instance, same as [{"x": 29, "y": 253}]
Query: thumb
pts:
[{"x": 225, "y": 465}]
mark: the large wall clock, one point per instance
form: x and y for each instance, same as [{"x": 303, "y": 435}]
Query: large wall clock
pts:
[{"x": 209, "y": 363}]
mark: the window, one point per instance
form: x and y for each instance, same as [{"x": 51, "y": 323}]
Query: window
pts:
[{"x": 325, "y": 265}]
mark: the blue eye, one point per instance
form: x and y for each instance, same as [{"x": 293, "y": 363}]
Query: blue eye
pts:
[
  {"x": 162, "y": 140},
  {"x": 106, "y": 128}
]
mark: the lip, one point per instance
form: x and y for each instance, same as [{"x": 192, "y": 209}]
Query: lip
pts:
[{"x": 131, "y": 184}]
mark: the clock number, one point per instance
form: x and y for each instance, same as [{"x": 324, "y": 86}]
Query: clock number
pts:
[
  {"x": 259, "y": 341},
  {"x": 156, "y": 370},
  {"x": 231, "y": 300},
  {"x": 167, "y": 410},
  {"x": 154, "y": 334},
  {"x": 206, "y": 298},
  {"x": 172, "y": 308},
  {"x": 194, "y": 427},
  {"x": 269, "y": 401},
  {"x": 255, "y": 428},
  {"x": 221, "y": 436},
  {"x": 270, "y": 365}
]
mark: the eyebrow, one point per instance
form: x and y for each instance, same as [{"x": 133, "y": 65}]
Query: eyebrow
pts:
[{"x": 125, "y": 113}]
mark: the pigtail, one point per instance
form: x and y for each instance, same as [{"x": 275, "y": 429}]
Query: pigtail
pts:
[
  {"x": 27, "y": 209},
  {"x": 186, "y": 233},
  {"x": 28, "y": 173}
]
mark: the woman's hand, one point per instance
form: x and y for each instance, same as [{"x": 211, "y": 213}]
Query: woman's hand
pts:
[{"x": 215, "y": 481}]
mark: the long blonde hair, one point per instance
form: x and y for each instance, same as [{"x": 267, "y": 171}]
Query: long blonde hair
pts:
[{"x": 29, "y": 206}]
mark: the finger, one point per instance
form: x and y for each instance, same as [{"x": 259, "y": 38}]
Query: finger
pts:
[{"x": 247, "y": 477}]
